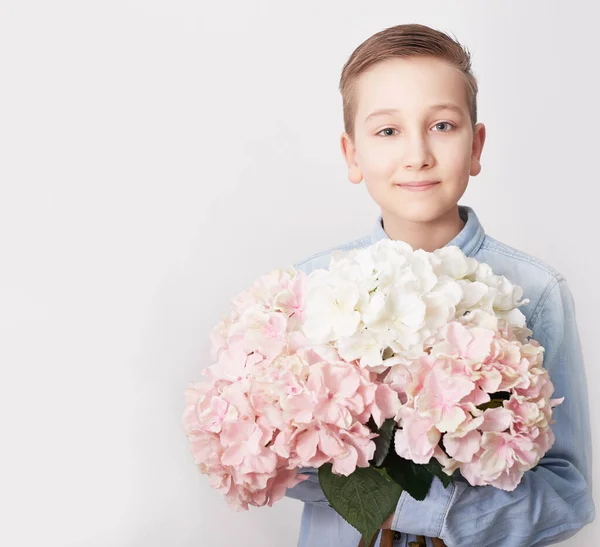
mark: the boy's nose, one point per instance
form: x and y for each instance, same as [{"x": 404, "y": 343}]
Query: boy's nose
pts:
[{"x": 417, "y": 153}]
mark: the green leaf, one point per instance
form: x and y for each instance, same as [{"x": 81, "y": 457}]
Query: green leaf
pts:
[
  {"x": 415, "y": 478},
  {"x": 492, "y": 403},
  {"x": 383, "y": 442},
  {"x": 372, "y": 425},
  {"x": 435, "y": 467},
  {"x": 496, "y": 400},
  {"x": 365, "y": 498}
]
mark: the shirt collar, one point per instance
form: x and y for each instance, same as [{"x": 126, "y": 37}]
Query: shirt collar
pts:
[{"x": 469, "y": 239}]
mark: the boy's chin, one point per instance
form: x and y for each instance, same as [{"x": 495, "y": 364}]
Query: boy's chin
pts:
[{"x": 425, "y": 212}]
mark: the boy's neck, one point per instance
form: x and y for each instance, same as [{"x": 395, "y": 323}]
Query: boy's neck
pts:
[{"x": 428, "y": 236}]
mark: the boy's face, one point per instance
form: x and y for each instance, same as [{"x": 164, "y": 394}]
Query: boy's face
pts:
[{"x": 416, "y": 141}]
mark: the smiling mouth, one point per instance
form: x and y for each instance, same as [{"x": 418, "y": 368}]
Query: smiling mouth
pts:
[{"x": 418, "y": 186}]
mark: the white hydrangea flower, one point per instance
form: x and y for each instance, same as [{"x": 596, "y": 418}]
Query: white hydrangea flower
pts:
[
  {"x": 332, "y": 311},
  {"x": 365, "y": 346},
  {"x": 385, "y": 300},
  {"x": 454, "y": 263}
]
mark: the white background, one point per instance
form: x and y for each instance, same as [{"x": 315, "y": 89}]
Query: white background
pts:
[{"x": 157, "y": 156}]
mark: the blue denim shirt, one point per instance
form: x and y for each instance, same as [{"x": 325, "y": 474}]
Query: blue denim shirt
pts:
[{"x": 554, "y": 499}]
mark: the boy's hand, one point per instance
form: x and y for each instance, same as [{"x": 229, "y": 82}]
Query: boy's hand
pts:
[{"x": 387, "y": 525}]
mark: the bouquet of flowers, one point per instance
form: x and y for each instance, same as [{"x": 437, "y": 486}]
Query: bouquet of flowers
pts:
[{"x": 388, "y": 368}]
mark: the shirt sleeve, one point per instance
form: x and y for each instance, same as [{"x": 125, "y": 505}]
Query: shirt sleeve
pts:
[
  {"x": 553, "y": 500},
  {"x": 309, "y": 490}
]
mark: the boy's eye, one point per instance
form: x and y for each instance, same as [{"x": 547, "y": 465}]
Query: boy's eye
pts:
[
  {"x": 447, "y": 124},
  {"x": 387, "y": 134}
]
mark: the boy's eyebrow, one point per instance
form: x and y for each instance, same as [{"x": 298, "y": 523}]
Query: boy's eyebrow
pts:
[{"x": 441, "y": 106}]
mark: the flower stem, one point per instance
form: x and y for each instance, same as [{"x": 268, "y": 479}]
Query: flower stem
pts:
[
  {"x": 387, "y": 538},
  {"x": 363, "y": 544}
]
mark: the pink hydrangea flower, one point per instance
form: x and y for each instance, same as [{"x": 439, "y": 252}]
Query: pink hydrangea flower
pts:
[
  {"x": 272, "y": 402},
  {"x": 468, "y": 361}
]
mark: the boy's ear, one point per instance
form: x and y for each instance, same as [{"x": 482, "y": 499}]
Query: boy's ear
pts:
[
  {"x": 478, "y": 141},
  {"x": 349, "y": 151}
]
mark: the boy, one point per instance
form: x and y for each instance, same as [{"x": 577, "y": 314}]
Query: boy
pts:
[{"x": 411, "y": 134}]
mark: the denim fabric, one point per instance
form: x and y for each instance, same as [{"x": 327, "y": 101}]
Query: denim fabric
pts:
[{"x": 554, "y": 499}]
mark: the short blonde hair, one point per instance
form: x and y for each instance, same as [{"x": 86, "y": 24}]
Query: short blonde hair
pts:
[{"x": 408, "y": 40}]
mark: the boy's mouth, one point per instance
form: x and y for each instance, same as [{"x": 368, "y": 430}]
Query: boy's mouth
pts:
[{"x": 418, "y": 186}]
